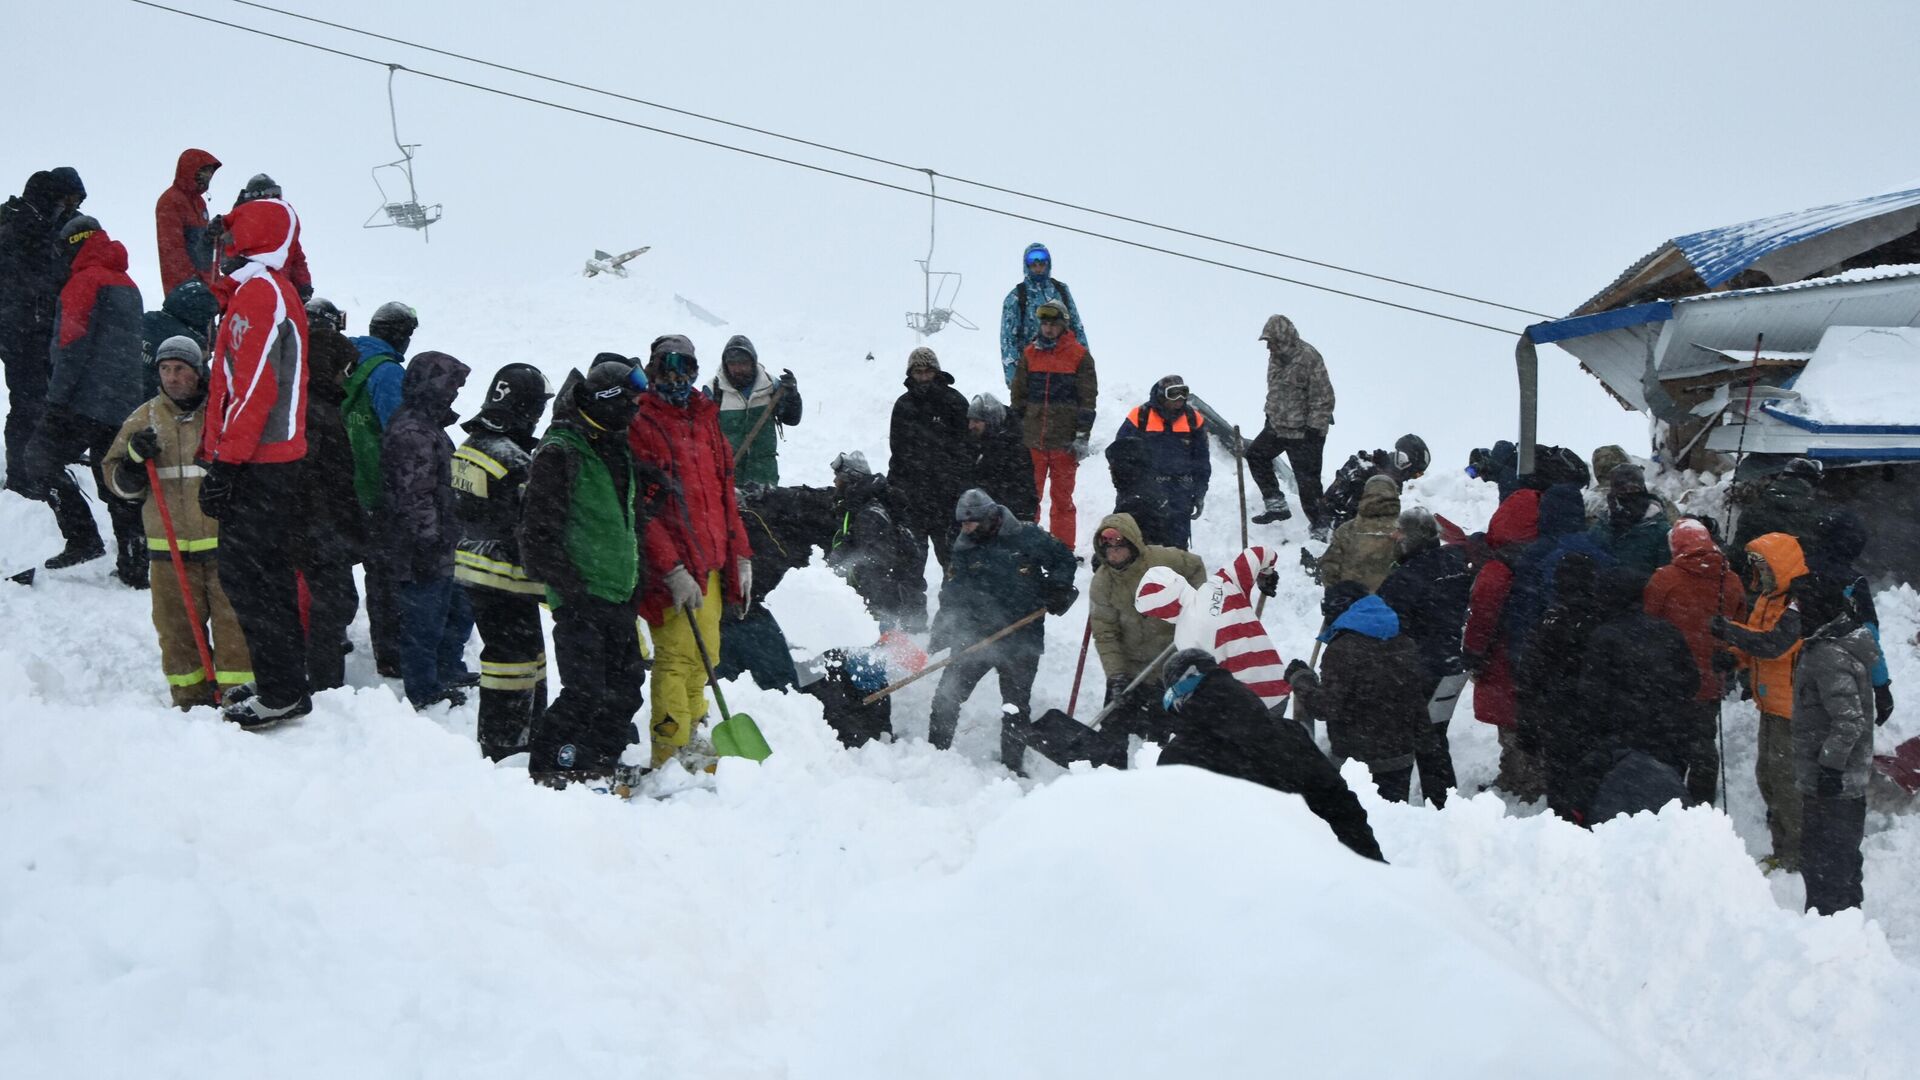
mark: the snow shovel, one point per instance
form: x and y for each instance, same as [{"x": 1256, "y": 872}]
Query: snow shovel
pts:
[
  {"x": 1061, "y": 739},
  {"x": 1902, "y": 766},
  {"x": 952, "y": 656},
  {"x": 734, "y": 735}
]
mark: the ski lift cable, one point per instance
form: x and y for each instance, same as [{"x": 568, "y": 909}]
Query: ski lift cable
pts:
[
  {"x": 824, "y": 170},
  {"x": 984, "y": 185}
]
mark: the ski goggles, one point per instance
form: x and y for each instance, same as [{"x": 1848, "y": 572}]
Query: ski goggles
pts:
[
  {"x": 1111, "y": 538},
  {"x": 678, "y": 366},
  {"x": 1176, "y": 392},
  {"x": 637, "y": 380},
  {"x": 1039, "y": 257}
]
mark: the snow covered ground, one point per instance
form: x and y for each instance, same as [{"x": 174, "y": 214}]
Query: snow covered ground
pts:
[{"x": 362, "y": 894}]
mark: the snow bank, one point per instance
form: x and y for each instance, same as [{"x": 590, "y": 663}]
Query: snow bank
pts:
[{"x": 1861, "y": 375}]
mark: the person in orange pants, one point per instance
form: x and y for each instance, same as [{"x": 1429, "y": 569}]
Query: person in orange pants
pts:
[{"x": 1054, "y": 391}]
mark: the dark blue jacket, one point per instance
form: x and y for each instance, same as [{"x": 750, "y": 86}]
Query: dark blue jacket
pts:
[
  {"x": 1563, "y": 514},
  {"x": 991, "y": 583},
  {"x": 1176, "y": 446},
  {"x": 1429, "y": 591}
]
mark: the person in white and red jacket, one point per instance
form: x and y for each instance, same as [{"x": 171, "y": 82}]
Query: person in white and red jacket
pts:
[
  {"x": 255, "y": 438},
  {"x": 1219, "y": 617}
]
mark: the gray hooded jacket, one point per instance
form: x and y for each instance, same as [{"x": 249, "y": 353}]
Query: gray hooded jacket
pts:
[
  {"x": 1833, "y": 707},
  {"x": 1299, "y": 394}
]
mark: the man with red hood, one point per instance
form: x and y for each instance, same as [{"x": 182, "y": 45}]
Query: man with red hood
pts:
[
  {"x": 1688, "y": 592},
  {"x": 1485, "y": 646},
  {"x": 255, "y": 439},
  {"x": 698, "y": 560},
  {"x": 94, "y": 382},
  {"x": 180, "y": 219}
]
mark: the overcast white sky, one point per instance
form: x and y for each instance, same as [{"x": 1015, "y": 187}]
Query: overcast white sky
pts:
[{"x": 1520, "y": 151}]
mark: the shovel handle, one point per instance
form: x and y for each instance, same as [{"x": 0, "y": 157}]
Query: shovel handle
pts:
[
  {"x": 951, "y": 657},
  {"x": 180, "y": 572}
]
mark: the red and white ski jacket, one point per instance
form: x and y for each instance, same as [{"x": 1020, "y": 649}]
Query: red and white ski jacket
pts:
[
  {"x": 1218, "y": 616},
  {"x": 257, "y": 394}
]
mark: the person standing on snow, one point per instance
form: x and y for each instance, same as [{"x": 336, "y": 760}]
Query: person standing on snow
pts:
[
  {"x": 1362, "y": 549},
  {"x": 697, "y": 555},
  {"x": 1634, "y": 532},
  {"x": 1129, "y": 641},
  {"x": 1428, "y": 589},
  {"x": 1175, "y": 467},
  {"x": 262, "y": 186},
  {"x": 1766, "y": 646},
  {"x": 1687, "y": 593},
  {"x": 1299, "y": 412},
  {"x": 1552, "y": 721},
  {"x": 1486, "y": 649},
  {"x": 32, "y": 269},
  {"x": 490, "y": 471},
  {"x": 255, "y": 439},
  {"x": 180, "y": 220},
  {"x": 372, "y": 395},
  {"x": 1840, "y": 538},
  {"x": 335, "y": 529},
  {"x": 167, "y": 431},
  {"x": 998, "y": 458},
  {"x": 93, "y": 385},
  {"x": 1002, "y": 570},
  {"x": 745, "y": 391},
  {"x": 1055, "y": 391},
  {"x": 1020, "y": 312},
  {"x": 1833, "y": 721},
  {"x": 1370, "y": 690},
  {"x": 1223, "y": 727},
  {"x": 880, "y": 558},
  {"x": 580, "y": 528},
  {"x": 417, "y": 532},
  {"x": 928, "y": 439},
  {"x": 1408, "y": 460},
  {"x": 1638, "y": 675}
]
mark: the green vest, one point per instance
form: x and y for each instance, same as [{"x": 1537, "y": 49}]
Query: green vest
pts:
[
  {"x": 363, "y": 432},
  {"x": 601, "y": 542}
]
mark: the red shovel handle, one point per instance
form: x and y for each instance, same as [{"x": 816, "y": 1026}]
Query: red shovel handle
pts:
[{"x": 180, "y": 572}]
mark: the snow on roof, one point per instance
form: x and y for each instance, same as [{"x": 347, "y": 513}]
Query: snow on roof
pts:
[
  {"x": 1849, "y": 277},
  {"x": 1718, "y": 254},
  {"x": 1861, "y": 375}
]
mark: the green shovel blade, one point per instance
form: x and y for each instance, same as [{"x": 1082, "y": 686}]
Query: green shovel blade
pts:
[{"x": 739, "y": 736}]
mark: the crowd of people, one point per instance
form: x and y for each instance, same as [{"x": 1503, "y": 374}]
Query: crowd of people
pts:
[{"x": 255, "y": 453}]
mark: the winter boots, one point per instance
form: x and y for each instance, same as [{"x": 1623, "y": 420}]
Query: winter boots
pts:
[
  {"x": 131, "y": 565},
  {"x": 1276, "y": 511},
  {"x": 77, "y": 553},
  {"x": 252, "y": 714}
]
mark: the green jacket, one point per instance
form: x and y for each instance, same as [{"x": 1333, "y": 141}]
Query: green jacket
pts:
[
  {"x": 1127, "y": 640},
  {"x": 1641, "y": 545},
  {"x": 600, "y": 538},
  {"x": 363, "y": 430},
  {"x": 740, "y": 412},
  {"x": 1362, "y": 549}
]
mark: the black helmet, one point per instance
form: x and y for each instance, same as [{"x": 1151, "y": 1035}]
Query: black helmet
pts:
[
  {"x": 608, "y": 396},
  {"x": 1410, "y": 456},
  {"x": 322, "y": 312},
  {"x": 516, "y": 396}
]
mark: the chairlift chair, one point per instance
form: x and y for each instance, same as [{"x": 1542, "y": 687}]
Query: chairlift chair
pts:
[
  {"x": 410, "y": 213},
  {"x": 937, "y": 299}
]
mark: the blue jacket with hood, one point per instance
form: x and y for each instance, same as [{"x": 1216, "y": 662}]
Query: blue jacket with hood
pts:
[{"x": 1017, "y": 322}]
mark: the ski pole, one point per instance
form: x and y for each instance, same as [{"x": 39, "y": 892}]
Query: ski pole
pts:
[
  {"x": 951, "y": 657},
  {"x": 1080, "y": 666},
  {"x": 1746, "y": 420},
  {"x": 180, "y": 572}
]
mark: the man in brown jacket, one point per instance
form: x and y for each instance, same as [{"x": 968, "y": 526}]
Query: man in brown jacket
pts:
[
  {"x": 166, "y": 431},
  {"x": 1129, "y": 641},
  {"x": 1299, "y": 412},
  {"x": 1055, "y": 390},
  {"x": 1362, "y": 549}
]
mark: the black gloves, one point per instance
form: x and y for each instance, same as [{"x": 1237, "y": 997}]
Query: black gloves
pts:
[
  {"x": 1718, "y": 627},
  {"x": 216, "y": 489},
  {"x": 143, "y": 446},
  {"x": 1268, "y": 581},
  {"x": 1116, "y": 688},
  {"x": 1882, "y": 704},
  {"x": 787, "y": 379},
  {"x": 1832, "y": 783},
  {"x": 1060, "y": 600}
]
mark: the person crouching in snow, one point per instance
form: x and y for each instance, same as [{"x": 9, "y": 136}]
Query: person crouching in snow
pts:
[
  {"x": 697, "y": 555},
  {"x": 585, "y": 508},
  {"x": 873, "y": 547},
  {"x": 1001, "y": 570},
  {"x": 1218, "y": 616},
  {"x": 418, "y": 531},
  {"x": 1371, "y": 689},
  {"x": 1223, "y": 727},
  {"x": 166, "y": 431},
  {"x": 1362, "y": 549}
]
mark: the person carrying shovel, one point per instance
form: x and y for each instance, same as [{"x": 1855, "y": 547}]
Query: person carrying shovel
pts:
[
  {"x": 1001, "y": 572},
  {"x": 160, "y": 440}
]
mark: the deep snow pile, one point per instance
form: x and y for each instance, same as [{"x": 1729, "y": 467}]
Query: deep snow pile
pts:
[{"x": 360, "y": 893}]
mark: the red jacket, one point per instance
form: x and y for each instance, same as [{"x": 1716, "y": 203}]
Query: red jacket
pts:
[
  {"x": 257, "y": 388},
  {"x": 1515, "y": 525},
  {"x": 180, "y": 220},
  {"x": 1689, "y": 591},
  {"x": 700, "y": 524}
]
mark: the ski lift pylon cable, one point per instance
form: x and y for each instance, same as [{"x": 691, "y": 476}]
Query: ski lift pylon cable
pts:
[{"x": 409, "y": 214}]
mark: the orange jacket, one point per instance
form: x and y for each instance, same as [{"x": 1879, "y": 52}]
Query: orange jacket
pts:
[
  {"x": 1783, "y": 562},
  {"x": 1689, "y": 591}
]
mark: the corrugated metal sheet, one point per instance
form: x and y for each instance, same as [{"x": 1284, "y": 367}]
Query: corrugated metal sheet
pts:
[{"x": 1718, "y": 254}]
